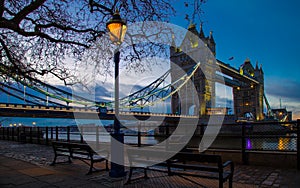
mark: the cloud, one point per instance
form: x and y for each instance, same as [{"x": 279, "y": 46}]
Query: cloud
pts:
[
  {"x": 283, "y": 88},
  {"x": 284, "y": 93}
]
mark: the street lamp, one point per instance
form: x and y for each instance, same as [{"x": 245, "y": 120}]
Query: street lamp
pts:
[{"x": 117, "y": 29}]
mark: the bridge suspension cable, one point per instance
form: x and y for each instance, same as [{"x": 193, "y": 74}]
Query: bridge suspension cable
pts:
[
  {"x": 154, "y": 95},
  {"x": 147, "y": 96}
]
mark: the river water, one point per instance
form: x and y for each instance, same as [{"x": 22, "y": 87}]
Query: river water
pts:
[{"x": 281, "y": 143}]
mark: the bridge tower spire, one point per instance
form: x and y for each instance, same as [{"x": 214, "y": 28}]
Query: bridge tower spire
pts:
[
  {"x": 203, "y": 79},
  {"x": 248, "y": 97}
]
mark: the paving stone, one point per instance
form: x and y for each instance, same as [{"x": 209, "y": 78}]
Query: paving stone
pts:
[
  {"x": 257, "y": 176},
  {"x": 269, "y": 183}
]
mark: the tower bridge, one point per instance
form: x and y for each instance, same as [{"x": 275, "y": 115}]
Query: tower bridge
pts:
[{"x": 247, "y": 84}]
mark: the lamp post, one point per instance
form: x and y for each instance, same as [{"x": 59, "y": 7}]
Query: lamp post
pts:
[{"x": 117, "y": 29}]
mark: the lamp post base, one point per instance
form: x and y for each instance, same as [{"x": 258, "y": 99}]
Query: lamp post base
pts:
[
  {"x": 117, "y": 156},
  {"x": 116, "y": 171}
]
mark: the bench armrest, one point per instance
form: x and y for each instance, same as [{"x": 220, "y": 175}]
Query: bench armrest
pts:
[{"x": 227, "y": 163}]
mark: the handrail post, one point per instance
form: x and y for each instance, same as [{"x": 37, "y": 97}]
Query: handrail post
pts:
[
  {"x": 68, "y": 133},
  {"x": 81, "y": 132},
  {"x": 30, "y": 134},
  {"x": 97, "y": 136},
  {"x": 298, "y": 144},
  {"x": 202, "y": 129},
  {"x": 38, "y": 135},
  {"x": 13, "y": 133},
  {"x": 56, "y": 133},
  {"x": 51, "y": 133},
  {"x": 167, "y": 135},
  {"x": 3, "y": 133},
  {"x": 7, "y": 133},
  {"x": 24, "y": 134},
  {"x": 18, "y": 134},
  {"x": 139, "y": 135},
  {"x": 244, "y": 154},
  {"x": 47, "y": 139}
]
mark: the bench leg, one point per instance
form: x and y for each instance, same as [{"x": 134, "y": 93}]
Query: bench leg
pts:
[
  {"x": 230, "y": 182},
  {"x": 91, "y": 168},
  {"x": 145, "y": 173},
  {"x": 220, "y": 183},
  {"x": 129, "y": 177},
  {"x": 169, "y": 171},
  {"x": 55, "y": 157},
  {"x": 54, "y": 160},
  {"x": 69, "y": 159},
  {"x": 106, "y": 165}
]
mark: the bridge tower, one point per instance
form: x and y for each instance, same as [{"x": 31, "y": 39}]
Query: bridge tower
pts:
[
  {"x": 204, "y": 84},
  {"x": 248, "y": 97}
]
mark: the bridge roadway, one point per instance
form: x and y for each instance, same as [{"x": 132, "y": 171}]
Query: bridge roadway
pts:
[
  {"x": 33, "y": 111},
  {"x": 234, "y": 73}
]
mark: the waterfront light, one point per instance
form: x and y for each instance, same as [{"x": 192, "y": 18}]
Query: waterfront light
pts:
[{"x": 117, "y": 28}]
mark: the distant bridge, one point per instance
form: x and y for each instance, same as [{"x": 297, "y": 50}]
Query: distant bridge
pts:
[
  {"x": 44, "y": 100},
  {"x": 21, "y": 110}
]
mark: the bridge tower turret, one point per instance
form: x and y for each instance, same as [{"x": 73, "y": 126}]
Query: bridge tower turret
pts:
[
  {"x": 203, "y": 79},
  {"x": 259, "y": 75},
  {"x": 248, "y": 97}
]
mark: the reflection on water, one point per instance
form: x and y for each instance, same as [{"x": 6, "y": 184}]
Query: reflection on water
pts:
[
  {"x": 103, "y": 138},
  {"x": 288, "y": 143},
  {"x": 248, "y": 143},
  {"x": 282, "y": 143}
]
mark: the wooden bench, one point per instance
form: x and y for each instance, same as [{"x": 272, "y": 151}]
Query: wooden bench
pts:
[
  {"x": 184, "y": 164},
  {"x": 144, "y": 159},
  {"x": 79, "y": 151},
  {"x": 202, "y": 165}
]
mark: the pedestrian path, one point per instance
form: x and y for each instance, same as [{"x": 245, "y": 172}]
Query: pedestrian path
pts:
[{"x": 27, "y": 165}]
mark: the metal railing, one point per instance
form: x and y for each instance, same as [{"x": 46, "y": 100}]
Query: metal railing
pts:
[{"x": 243, "y": 136}]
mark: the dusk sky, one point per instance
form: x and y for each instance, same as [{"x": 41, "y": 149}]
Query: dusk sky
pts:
[{"x": 266, "y": 31}]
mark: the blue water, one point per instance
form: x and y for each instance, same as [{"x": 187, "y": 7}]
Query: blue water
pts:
[{"x": 43, "y": 122}]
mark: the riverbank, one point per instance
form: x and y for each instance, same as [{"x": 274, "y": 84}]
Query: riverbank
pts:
[{"x": 16, "y": 160}]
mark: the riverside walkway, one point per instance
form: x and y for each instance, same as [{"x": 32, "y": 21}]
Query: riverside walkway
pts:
[{"x": 27, "y": 165}]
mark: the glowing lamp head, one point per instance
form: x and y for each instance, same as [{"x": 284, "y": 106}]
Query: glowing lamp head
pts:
[{"x": 117, "y": 28}]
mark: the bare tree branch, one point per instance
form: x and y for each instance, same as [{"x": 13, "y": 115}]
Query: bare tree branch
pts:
[
  {"x": 38, "y": 36},
  {"x": 27, "y": 10}
]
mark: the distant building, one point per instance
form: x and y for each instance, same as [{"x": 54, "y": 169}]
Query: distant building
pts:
[{"x": 282, "y": 114}]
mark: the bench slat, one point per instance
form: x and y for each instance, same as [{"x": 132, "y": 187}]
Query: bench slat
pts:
[
  {"x": 183, "y": 163},
  {"x": 78, "y": 151}
]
